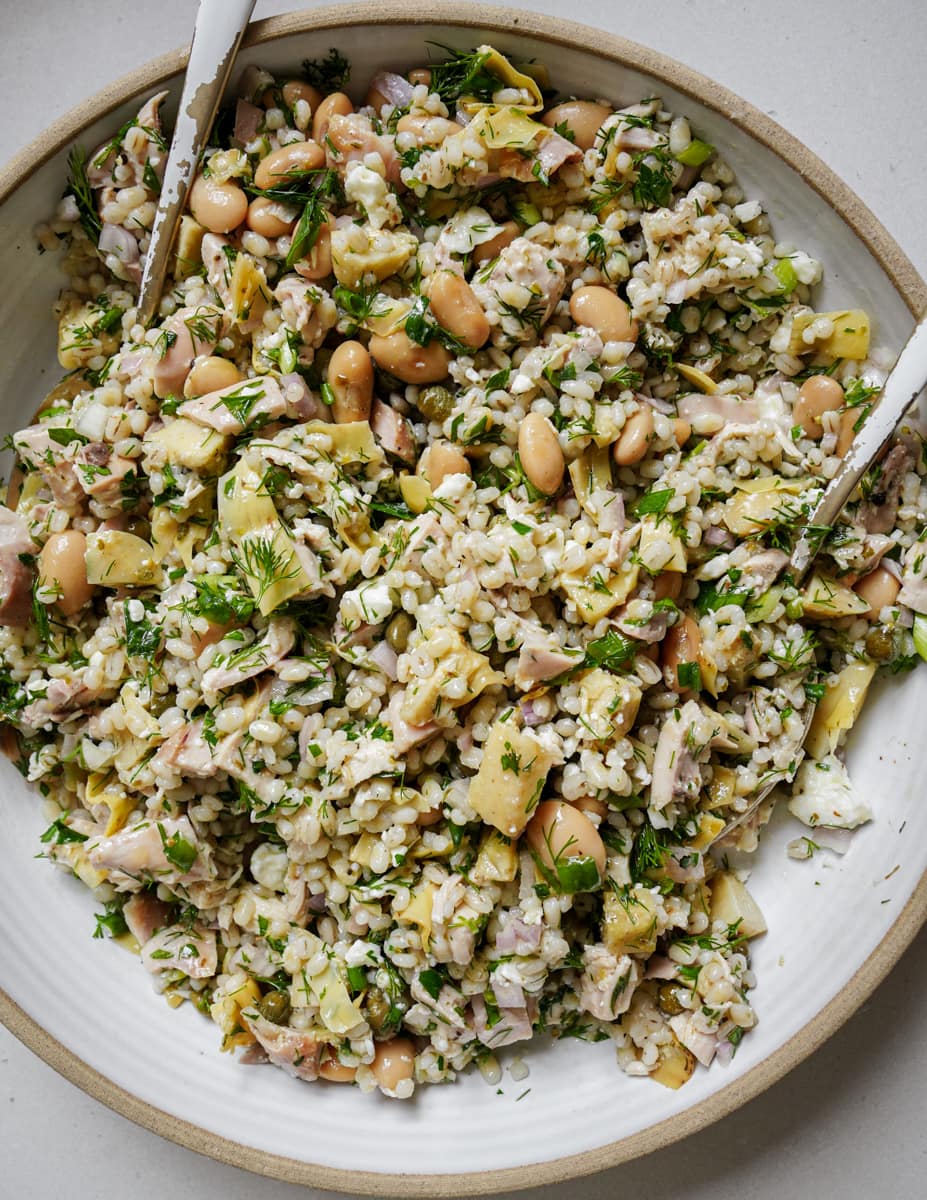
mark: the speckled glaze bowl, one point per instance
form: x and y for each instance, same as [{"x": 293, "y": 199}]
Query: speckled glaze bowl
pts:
[{"x": 836, "y": 928}]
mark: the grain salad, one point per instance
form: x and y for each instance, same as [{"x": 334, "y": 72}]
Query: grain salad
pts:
[{"x": 398, "y": 630}]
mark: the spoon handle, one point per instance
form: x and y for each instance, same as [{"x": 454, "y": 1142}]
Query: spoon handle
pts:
[
  {"x": 904, "y": 384},
  {"x": 217, "y": 33}
]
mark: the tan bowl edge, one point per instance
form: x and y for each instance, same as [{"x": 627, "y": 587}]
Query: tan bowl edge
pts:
[{"x": 913, "y": 290}]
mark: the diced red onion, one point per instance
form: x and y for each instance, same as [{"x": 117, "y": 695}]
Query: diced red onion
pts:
[
  {"x": 518, "y": 937},
  {"x": 716, "y": 535},
  {"x": 317, "y": 903},
  {"x": 385, "y": 658},
  {"x": 116, "y": 240},
  {"x": 660, "y": 968},
  {"x": 248, "y": 118},
  {"x": 393, "y": 88},
  {"x": 530, "y": 714},
  {"x": 687, "y": 178},
  {"x": 659, "y": 405}
]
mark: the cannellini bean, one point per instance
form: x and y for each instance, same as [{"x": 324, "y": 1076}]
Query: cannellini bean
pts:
[
  {"x": 540, "y": 453},
  {"x": 269, "y": 218},
  {"x": 219, "y": 207},
  {"x": 394, "y": 1062},
  {"x": 322, "y": 114},
  {"x": 350, "y": 377},
  {"x": 846, "y": 431},
  {"x": 591, "y": 804},
  {"x": 583, "y": 118},
  {"x": 486, "y": 251},
  {"x": 209, "y": 375},
  {"x": 62, "y": 567},
  {"x": 879, "y": 589},
  {"x": 559, "y": 831},
  {"x": 318, "y": 263},
  {"x": 816, "y": 396},
  {"x": 336, "y": 1072},
  {"x": 455, "y": 306},
  {"x": 440, "y": 460},
  {"x": 682, "y": 431},
  {"x": 296, "y": 156},
  {"x": 605, "y": 312},
  {"x": 635, "y": 438},
  {"x": 295, "y": 90},
  {"x": 667, "y": 585},
  {"x": 212, "y": 634},
  {"x": 409, "y": 361},
  {"x": 682, "y": 644}
]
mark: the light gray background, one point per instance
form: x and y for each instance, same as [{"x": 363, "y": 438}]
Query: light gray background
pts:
[{"x": 846, "y": 76}]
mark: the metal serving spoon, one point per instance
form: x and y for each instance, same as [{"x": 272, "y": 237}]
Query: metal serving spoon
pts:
[
  {"x": 220, "y": 25},
  {"x": 903, "y": 386}
]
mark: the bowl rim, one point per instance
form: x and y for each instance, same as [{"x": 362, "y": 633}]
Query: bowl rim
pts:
[{"x": 913, "y": 290}]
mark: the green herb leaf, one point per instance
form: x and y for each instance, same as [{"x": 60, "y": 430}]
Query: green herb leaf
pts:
[
  {"x": 612, "y": 651},
  {"x": 177, "y": 850},
  {"x": 111, "y": 922},
  {"x": 143, "y": 639},
  {"x": 60, "y": 834},
  {"x": 64, "y": 436},
  {"x": 79, "y": 185},
  {"x": 432, "y": 981},
  {"x": 328, "y": 74},
  {"x": 357, "y": 979},
  {"x": 654, "y": 502}
]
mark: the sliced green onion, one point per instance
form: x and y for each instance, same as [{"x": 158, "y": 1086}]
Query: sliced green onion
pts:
[
  {"x": 526, "y": 213},
  {"x": 695, "y": 153},
  {"x": 357, "y": 978},
  {"x": 919, "y": 633},
  {"x": 760, "y": 609},
  {"x": 785, "y": 273}
]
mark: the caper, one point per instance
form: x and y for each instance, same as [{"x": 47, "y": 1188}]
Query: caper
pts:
[
  {"x": 435, "y": 402},
  {"x": 397, "y": 632},
  {"x": 879, "y": 644},
  {"x": 275, "y": 1007},
  {"x": 377, "y": 1009},
  {"x": 668, "y": 999}
]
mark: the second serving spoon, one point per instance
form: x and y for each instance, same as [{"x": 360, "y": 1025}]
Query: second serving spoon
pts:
[
  {"x": 907, "y": 380},
  {"x": 220, "y": 26}
]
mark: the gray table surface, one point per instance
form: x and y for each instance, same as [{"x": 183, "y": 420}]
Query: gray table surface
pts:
[{"x": 847, "y": 78}]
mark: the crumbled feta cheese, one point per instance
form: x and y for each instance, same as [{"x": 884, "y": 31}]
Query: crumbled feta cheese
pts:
[
  {"x": 370, "y": 192},
  {"x": 824, "y": 795}
]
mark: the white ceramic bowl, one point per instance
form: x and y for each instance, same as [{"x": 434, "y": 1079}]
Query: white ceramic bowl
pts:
[{"x": 835, "y": 928}]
